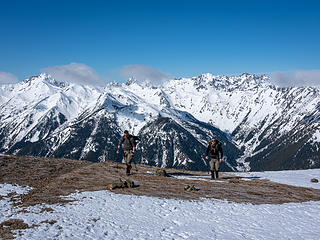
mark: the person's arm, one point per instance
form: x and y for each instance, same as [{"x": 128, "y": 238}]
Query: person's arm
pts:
[
  {"x": 120, "y": 143},
  {"x": 207, "y": 152},
  {"x": 221, "y": 153},
  {"x": 133, "y": 144}
]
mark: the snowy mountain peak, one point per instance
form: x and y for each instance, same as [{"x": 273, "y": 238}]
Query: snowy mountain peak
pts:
[
  {"x": 248, "y": 113},
  {"x": 244, "y": 81},
  {"x": 41, "y": 77},
  {"x": 207, "y": 76},
  {"x": 131, "y": 80},
  {"x": 44, "y": 78}
]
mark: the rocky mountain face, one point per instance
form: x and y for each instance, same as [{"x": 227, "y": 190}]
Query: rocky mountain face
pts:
[{"x": 261, "y": 126}]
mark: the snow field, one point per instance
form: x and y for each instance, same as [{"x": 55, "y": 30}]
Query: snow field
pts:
[
  {"x": 300, "y": 178},
  {"x": 106, "y": 215}
]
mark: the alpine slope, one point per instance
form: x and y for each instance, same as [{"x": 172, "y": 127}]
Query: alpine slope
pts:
[{"x": 261, "y": 126}]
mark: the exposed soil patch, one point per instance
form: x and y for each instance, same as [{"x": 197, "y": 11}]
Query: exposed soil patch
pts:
[
  {"x": 51, "y": 222},
  {"x": 39, "y": 173},
  {"x": 46, "y": 209},
  {"x": 7, "y": 227},
  {"x": 53, "y": 178}
]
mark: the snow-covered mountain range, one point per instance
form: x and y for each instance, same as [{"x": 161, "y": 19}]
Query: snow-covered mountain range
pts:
[{"x": 262, "y": 126}]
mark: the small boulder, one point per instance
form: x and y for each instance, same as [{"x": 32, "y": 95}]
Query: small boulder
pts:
[
  {"x": 130, "y": 183},
  {"x": 114, "y": 185},
  {"x": 189, "y": 188},
  {"x": 234, "y": 180},
  {"x": 162, "y": 172},
  {"x": 314, "y": 180},
  {"x": 121, "y": 184}
]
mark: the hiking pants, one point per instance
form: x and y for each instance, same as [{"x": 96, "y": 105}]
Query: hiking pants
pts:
[
  {"x": 214, "y": 164},
  {"x": 214, "y": 167},
  {"x": 127, "y": 156}
]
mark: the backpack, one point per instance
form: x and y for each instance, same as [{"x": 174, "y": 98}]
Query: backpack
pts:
[
  {"x": 135, "y": 138},
  {"x": 218, "y": 146}
]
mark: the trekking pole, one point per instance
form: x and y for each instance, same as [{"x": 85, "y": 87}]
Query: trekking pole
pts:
[
  {"x": 207, "y": 166},
  {"x": 116, "y": 160},
  {"x": 135, "y": 166},
  {"x": 117, "y": 167}
]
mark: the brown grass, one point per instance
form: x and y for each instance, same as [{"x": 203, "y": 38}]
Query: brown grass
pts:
[
  {"x": 46, "y": 209},
  {"x": 8, "y": 226},
  {"x": 53, "y": 178}
]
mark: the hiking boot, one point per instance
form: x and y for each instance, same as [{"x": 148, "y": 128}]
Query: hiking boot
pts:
[
  {"x": 128, "y": 170},
  {"x": 212, "y": 175}
]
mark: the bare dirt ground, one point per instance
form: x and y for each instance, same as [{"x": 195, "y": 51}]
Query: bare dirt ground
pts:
[{"x": 53, "y": 178}]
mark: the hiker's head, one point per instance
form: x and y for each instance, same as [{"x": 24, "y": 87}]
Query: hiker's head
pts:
[
  {"x": 214, "y": 142},
  {"x": 126, "y": 133}
]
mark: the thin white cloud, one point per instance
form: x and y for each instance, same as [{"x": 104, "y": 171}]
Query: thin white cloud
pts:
[
  {"x": 145, "y": 74},
  {"x": 8, "y": 78},
  {"x": 297, "y": 78},
  {"x": 75, "y": 73}
]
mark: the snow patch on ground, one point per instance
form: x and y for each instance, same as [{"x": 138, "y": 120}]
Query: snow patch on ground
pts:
[
  {"x": 300, "y": 178},
  {"x": 105, "y": 215},
  {"x": 7, "y": 210},
  {"x": 197, "y": 178},
  {"x": 5, "y": 189}
]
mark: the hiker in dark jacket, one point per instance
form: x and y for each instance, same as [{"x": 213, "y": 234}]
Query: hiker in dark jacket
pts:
[
  {"x": 215, "y": 153},
  {"x": 129, "y": 147}
]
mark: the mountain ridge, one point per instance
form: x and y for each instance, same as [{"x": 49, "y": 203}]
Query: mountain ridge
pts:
[{"x": 252, "y": 117}]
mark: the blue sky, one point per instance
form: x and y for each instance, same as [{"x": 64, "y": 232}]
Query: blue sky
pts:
[{"x": 176, "y": 38}]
